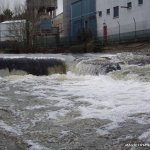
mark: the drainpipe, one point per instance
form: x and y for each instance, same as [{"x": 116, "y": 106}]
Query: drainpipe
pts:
[
  {"x": 0, "y": 37},
  {"x": 119, "y": 30},
  {"x": 105, "y": 32},
  {"x": 96, "y": 21},
  {"x": 0, "y": 33},
  {"x": 135, "y": 28}
]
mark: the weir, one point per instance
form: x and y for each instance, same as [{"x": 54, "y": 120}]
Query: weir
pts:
[
  {"x": 48, "y": 107},
  {"x": 99, "y": 66},
  {"x": 34, "y": 66}
]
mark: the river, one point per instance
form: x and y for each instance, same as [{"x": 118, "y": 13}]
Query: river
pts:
[{"x": 79, "y": 110}]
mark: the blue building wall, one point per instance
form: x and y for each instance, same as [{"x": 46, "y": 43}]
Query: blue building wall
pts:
[
  {"x": 45, "y": 24},
  {"x": 83, "y": 15}
]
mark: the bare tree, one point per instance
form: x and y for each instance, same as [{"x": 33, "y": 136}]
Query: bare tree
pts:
[
  {"x": 17, "y": 30},
  {"x": 4, "y": 5},
  {"x": 17, "y": 26},
  {"x": 20, "y": 11}
]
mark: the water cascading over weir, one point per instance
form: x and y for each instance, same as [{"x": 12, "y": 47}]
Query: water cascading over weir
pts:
[{"x": 34, "y": 66}]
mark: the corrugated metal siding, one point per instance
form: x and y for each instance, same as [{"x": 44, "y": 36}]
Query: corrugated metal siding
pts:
[{"x": 12, "y": 30}]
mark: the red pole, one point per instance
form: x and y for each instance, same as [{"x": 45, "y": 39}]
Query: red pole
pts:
[{"x": 105, "y": 32}]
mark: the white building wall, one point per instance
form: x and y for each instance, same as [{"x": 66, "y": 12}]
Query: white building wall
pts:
[
  {"x": 141, "y": 13},
  {"x": 3, "y": 32},
  {"x": 12, "y": 30}
]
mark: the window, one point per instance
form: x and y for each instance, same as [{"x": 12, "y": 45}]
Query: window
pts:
[
  {"x": 140, "y": 2},
  {"x": 100, "y": 13},
  {"x": 108, "y": 12},
  {"x": 116, "y": 12},
  {"x": 129, "y": 5}
]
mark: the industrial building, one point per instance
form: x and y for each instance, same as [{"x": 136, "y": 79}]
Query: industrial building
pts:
[
  {"x": 123, "y": 19},
  {"x": 13, "y": 30},
  {"x": 78, "y": 15},
  {"x": 58, "y": 22},
  {"x": 112, "y": 20},
  {"x": 41, "y": 14}
]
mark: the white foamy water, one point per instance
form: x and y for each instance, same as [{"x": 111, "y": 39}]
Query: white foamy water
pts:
[
  {"x": 145, "y": 136},
  {"x": 44, "y": 107},
  {"x": 8, "y": 128}
]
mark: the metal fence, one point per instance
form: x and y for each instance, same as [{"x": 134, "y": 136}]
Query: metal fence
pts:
[
  {"x": 10, "y": 40},
  {"x": 56, "y": 42},
  {"x": 128, "y": 37},
  {"x": 132, "y": 31}
]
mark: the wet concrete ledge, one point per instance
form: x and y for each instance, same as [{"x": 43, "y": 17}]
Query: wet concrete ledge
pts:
[{"x": 34, "y": 66}]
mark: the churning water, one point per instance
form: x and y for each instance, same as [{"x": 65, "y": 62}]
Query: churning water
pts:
[{"x": 101, "y": 103}]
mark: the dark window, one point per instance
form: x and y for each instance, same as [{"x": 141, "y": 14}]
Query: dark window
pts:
[
  {"x": 108, "y": 11},
  {"x": 129, "y": 5},
  {"x": 116, "y": 11},
  {"x": 100, "y": 13},
  {"x": 140, "y": 2}
]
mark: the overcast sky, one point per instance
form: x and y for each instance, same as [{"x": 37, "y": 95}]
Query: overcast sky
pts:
[{"x": 11, "y": 3}]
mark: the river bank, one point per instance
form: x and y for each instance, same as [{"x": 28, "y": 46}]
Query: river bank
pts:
[
  {"x": 91, "y": 47},
  {"x": 127, "y": 47}
]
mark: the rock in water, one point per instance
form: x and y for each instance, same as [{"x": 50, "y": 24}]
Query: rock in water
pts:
[
  {"x": 134, "y": 59},
  {"x": 98, "y": 66}
]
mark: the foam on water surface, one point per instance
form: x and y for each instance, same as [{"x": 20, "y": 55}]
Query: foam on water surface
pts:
[
  {"x": 46, "y": 106},
  {"x": 35, "y": 146},
  {"x": 8, "y": 128},
  {"x": 145, "y": 136}
]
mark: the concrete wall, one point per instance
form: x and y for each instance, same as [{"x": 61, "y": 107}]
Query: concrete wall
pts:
[
  {"x": 141, "y": 13},
  {"x": 67, "y": 17},
  {"x": 58, "y": 22}
]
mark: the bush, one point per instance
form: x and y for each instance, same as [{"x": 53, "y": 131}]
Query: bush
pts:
[
  {"x": 90, "y": 47},
  {"x": 80, "y": 48}
]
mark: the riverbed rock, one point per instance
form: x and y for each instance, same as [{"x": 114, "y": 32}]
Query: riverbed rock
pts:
[
  {"x": 97, "y": 66},
  {"x": 134, "y": 59}
]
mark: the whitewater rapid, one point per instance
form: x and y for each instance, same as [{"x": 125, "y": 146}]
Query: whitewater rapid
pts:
[{"x": 75, "y": 111}]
